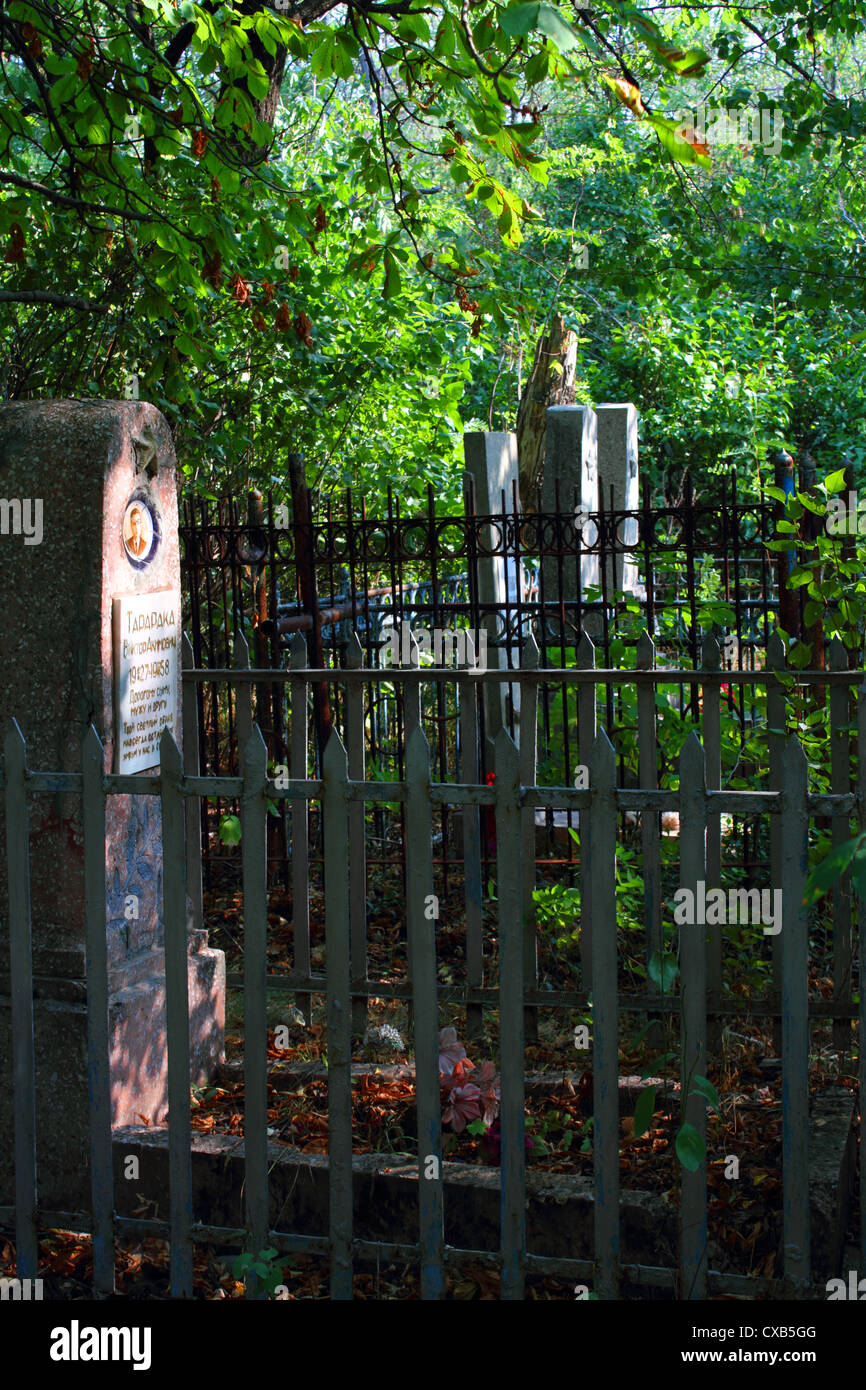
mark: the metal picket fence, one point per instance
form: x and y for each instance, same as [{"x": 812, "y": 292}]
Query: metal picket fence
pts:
[{"x": 343, "y": 793}]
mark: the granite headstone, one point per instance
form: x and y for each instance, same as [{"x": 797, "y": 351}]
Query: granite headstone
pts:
[{"x": 90, "y": 628}]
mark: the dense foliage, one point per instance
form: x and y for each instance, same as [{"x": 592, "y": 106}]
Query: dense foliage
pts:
[{"x": 340, "y": 228}]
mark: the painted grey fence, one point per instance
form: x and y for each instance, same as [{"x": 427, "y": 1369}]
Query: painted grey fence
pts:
[
  {"x": 842, "y": 801},
  {"x": 341, "y": 792}
]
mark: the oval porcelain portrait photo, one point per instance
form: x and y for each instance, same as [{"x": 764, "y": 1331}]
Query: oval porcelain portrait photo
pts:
[{"x": 140, "y": 533}]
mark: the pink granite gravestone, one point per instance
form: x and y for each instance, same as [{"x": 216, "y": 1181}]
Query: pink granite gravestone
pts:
[{"x": 90, "y": 632}]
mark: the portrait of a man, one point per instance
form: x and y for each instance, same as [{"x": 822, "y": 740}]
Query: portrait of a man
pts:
[{"x": 138, "y": 531}]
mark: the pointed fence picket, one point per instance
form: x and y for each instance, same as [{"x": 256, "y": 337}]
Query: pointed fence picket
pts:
[
  {"x": 299, "y": 697},
  {"x": 176, "y": 1017},
  {"x": 21, "y": 989},
  {"x": 101, "y": 1174},
  {"x": 473, "y": 893},
  {"x": 422, "y": 910},
  {"x": 254, "y": 847},
  {"x": 335, "y": 807},
  {"x": 693, "y": 1030}
]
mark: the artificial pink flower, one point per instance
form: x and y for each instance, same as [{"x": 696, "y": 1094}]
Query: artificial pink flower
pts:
[
  {"x": 462, "y": 1105},
  {"x": 451, "y": 1052}
]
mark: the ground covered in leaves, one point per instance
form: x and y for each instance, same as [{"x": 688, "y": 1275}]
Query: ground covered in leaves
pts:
[
  {"x": 142, "y": 1272},
  {"x": 744, "y": 1213}
]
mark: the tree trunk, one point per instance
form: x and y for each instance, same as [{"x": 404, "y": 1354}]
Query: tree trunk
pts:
[{"x": 551, "y": 382}]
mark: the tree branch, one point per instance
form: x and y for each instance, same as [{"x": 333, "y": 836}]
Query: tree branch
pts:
[
  {"x": 66, "y": 201},
  {"x": 61, "y": 301}
]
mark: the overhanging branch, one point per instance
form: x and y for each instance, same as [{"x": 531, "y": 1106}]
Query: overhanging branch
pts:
[
  {"x": 100, "y": 209},
  {"x": 60, "y": 301}
]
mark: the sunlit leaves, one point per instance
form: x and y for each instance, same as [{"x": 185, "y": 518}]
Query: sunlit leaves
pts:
[
  {"x": 520, "y": 20},
  {"x": 678, "y": 146},
  {"x": 685, "y": 64}
]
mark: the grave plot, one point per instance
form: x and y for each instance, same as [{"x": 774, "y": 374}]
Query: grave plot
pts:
[{"x": 744, "y": 1137}]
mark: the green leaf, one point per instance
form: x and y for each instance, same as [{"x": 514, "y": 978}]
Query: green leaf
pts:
[
  {"x": 678, "y": 148},
  {"x": 551, "y": 23},
  {"x": 690, "y": 62},
  {"x": 518, "y": 20},
  {"x": 537, "y": 68},
  {"x": 230, "y": 830},
  {"x": 832, "y": 867},
  {"x": 258, "y": 83},
  {"x": 643, "y": 1111},
  {"x": 690, "y": 1148},
  {"x": 800, "y": 655},
  {"x": 799, "y": 578},
  {"x": 835, "y": 482},
  {"x": 392, "y": 277},
  {"x": 812, "y": 612},
  {"x": 706, "y": 1089},
  {"x": 663, "y": 970}
]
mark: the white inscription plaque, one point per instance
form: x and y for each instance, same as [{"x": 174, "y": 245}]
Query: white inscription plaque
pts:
[{"x": 146, "y": 644}]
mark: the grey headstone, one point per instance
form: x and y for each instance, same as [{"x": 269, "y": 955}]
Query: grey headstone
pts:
[
  {"x": 618, "y": 470},
  {"x": 491, "y": 462}
]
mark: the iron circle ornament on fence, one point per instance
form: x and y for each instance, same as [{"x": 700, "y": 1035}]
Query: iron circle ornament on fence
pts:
[
  {"x": 251, "y": 545},
  {"x": 451, "y": 539},
  {"x": 414, "y": 539}
]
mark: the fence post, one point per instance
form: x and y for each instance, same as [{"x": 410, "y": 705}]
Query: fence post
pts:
[
  {"x": 335, "y": 776},
  {"x": 776, "y": 735},
  {"x": 794, "y": 828},
  {"x": 192, "y": 805},
  {"x": 422, "y": 934},
  {"x": 528, "y": 755},
  {"x": 98, "y": 1044},
  {"x": 411, "y": 721},
  {"x": 176, "y": 1016},
  {"x": 243, "y": 695},
  {"x": 645, "y": 656},
  {"x": 254, "y": 814},
  {"x": 861, "y": 932},
  {"x": 21, "y": 989},
  {"x": 469, "y": 773},
  {"x": 693, "y": 995},
  {"x": 840, "y": 782},
  {"x": 711, "y": 661},
  {"x": 605, "y": 1024},
  {"x": 586, "y": 726},
  {"x": 511, "y": 1013},
  {"x": 300, "y": 825},
  {"x": 354, "y": 660}
]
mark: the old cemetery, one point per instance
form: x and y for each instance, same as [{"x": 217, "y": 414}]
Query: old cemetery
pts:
[{"x": 419, "y": 906}]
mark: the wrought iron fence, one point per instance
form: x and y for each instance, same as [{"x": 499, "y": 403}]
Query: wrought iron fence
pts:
[{"x": 341, "y": 576}]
